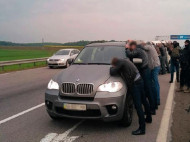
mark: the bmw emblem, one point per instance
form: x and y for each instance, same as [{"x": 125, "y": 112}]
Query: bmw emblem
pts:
[{"x": 77, "y": 80}]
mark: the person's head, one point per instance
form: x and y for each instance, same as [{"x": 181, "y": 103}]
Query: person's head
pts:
[
  {"x": 114, "y": 61},
  {"x": 143, "y": 43},
  {"x": 149, "y": 43},
  {"x": 175, "y": 44},
  {"x": 187, "y": 43},
  {"x": 132, "y": 45}
]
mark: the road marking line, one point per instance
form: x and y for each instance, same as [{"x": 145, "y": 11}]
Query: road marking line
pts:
[
  {"x": 49, "y": 137},
  {"x": 166, "y": 117},
  {"x": 21, "y": 113},
  {"x": 54, "y": 137}
]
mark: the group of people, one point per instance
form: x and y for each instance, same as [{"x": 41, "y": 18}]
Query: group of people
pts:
[
  {"x": 142, "y": 78},
  {"x": 179, "y": 59}
]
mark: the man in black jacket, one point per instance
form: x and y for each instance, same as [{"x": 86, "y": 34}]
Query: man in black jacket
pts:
[
  {"x": 185, "y": 67},
  {"x": 133, "y": 80},
  {"x": 132, "y": 51},
  {"x": 175, "y": 55}
]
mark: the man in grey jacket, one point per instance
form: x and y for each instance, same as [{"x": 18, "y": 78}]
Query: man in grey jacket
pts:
[
  {"x": 132, "y": 51},
  {"x": 154, "y": 65}
]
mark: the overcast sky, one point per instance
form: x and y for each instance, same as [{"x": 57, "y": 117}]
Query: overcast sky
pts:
[{"x": 73, "y": 20}]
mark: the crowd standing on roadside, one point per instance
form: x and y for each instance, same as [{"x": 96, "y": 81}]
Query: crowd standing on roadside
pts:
[{"x": 142, "y": 79}]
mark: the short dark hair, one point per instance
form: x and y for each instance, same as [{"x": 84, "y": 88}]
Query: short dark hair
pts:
[
  {"x": 187, "y": 41},
  {"x": 133, "y": 43},
  {"x": 114, "y": 61}
]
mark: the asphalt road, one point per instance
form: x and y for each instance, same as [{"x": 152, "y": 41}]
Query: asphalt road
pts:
[{"x": 22, "y": 90}]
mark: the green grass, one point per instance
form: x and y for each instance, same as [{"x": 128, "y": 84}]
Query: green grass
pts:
[
  {"x": 17, "y": 54},
  {"x": 22, "y": 66}
]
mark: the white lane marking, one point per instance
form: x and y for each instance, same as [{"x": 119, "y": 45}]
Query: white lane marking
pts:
[
  {"x": 21, "y": 113},
  {"x": 49, "y": 137},
  {"x": 166, "y": 117},
  {"x": 54, "y": 137}
]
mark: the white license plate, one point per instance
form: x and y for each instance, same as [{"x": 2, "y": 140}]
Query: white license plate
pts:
[{"x": 79, "y": 107}]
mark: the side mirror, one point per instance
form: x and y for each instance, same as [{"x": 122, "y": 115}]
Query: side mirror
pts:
[
  {"x": 137, "y": 61},
  {"x": 70, "y": 61}
]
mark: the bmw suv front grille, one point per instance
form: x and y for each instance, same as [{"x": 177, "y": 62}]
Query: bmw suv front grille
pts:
[
  {"x": 84, "y": 88},
  {"x": 71, "y": 88},
  {"x": 68, "y": 88}
]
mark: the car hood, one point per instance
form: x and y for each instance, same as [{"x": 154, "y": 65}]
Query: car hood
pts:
[
  {"x": 95, "y": 74},
  {"x": 59, "y": 57}
]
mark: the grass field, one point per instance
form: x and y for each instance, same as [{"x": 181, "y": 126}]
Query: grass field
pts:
[
  {"x": 16, "y": 54},
  {"x": 9, "y": 53},
  {"x": 22, "y": 67}
]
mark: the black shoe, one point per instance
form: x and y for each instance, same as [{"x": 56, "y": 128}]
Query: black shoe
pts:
[
  {"x": 153, "y": 112},
  {"x": 158, "y": 103},
  {"x": 171, "y": 82},
  {"x": 156, "y": 107},
  {"x": 148, "y": 119},
  {"x": 138, "y": 132}
]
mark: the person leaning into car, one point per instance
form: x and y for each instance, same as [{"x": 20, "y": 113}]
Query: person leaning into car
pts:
[{"x": 132, "y": 77}]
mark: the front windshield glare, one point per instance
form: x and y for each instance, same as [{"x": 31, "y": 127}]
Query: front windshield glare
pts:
[
  {"x": 99, "y": 54},
  {"x": 62, "y": 52}
]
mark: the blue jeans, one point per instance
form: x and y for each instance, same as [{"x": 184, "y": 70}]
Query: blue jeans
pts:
[
  {"x": 174, "y": 67},
  {"x": 155, "y": 84},
  {"x": 146, "y": 75}
]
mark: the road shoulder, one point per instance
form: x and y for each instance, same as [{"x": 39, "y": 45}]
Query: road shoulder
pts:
[{"x": 181, "y": 118}]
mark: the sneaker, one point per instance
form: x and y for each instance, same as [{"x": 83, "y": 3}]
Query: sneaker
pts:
[
  {"x": 187, "y": 91},
  {"x": 180, "y": 89}
]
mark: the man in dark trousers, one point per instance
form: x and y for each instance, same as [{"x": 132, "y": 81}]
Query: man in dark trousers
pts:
[
  {"x": 132, "y": 51},
  {"x": 185, "y": 68},
  {"x": 135, "y": 85}
]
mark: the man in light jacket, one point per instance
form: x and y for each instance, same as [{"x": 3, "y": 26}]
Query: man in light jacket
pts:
[{"x": 154, "y": 65}]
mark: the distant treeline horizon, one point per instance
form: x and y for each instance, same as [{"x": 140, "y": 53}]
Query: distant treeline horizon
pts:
[{"x": 77, "y": 43}]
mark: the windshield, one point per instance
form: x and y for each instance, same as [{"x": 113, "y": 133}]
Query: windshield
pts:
[
  {"x": 62, "y": 52},
  {"x": 99, "y": 55}
]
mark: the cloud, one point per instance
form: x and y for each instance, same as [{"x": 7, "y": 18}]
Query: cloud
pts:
[{"x": 72, "y": 20}]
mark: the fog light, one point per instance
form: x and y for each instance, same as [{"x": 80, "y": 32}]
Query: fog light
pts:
[
  {"x": 49, "y": 104},
  {"x": 114, "y": 107}
]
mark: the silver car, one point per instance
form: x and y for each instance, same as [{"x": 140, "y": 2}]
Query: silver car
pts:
[
  {"x": 61, "y": 57},
  {"x": 86, "y": 90}
]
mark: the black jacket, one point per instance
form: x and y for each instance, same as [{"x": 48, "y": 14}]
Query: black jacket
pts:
[
  {"x": 185, "y": 58},
  {"x": 138, "y": 53},
  {"x": 126, "y": 69}
]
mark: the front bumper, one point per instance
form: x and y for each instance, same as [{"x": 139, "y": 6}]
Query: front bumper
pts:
[
  {"x": 98, "y": 108},
  {"x": 56, "y": 64}
]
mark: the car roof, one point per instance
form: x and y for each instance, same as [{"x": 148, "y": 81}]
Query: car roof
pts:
[
  {"x": 69, "y": 49},
  {"x": 107, "y": 44}
]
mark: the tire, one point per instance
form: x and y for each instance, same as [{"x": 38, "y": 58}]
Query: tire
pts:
[
  {"x": 128, "y": 112},
  {"x": 67, "y": 65},
  {"x": 53, "y": 117},
  {"x": 50, "y": 67}
]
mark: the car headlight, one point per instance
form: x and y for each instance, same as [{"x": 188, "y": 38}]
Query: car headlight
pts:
[
  {"x": 110, "y": 87},
  {"x": 62, "y": 60},
  {"x": 48, "y": 59},
  {"x": 53, "y": 85}
]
